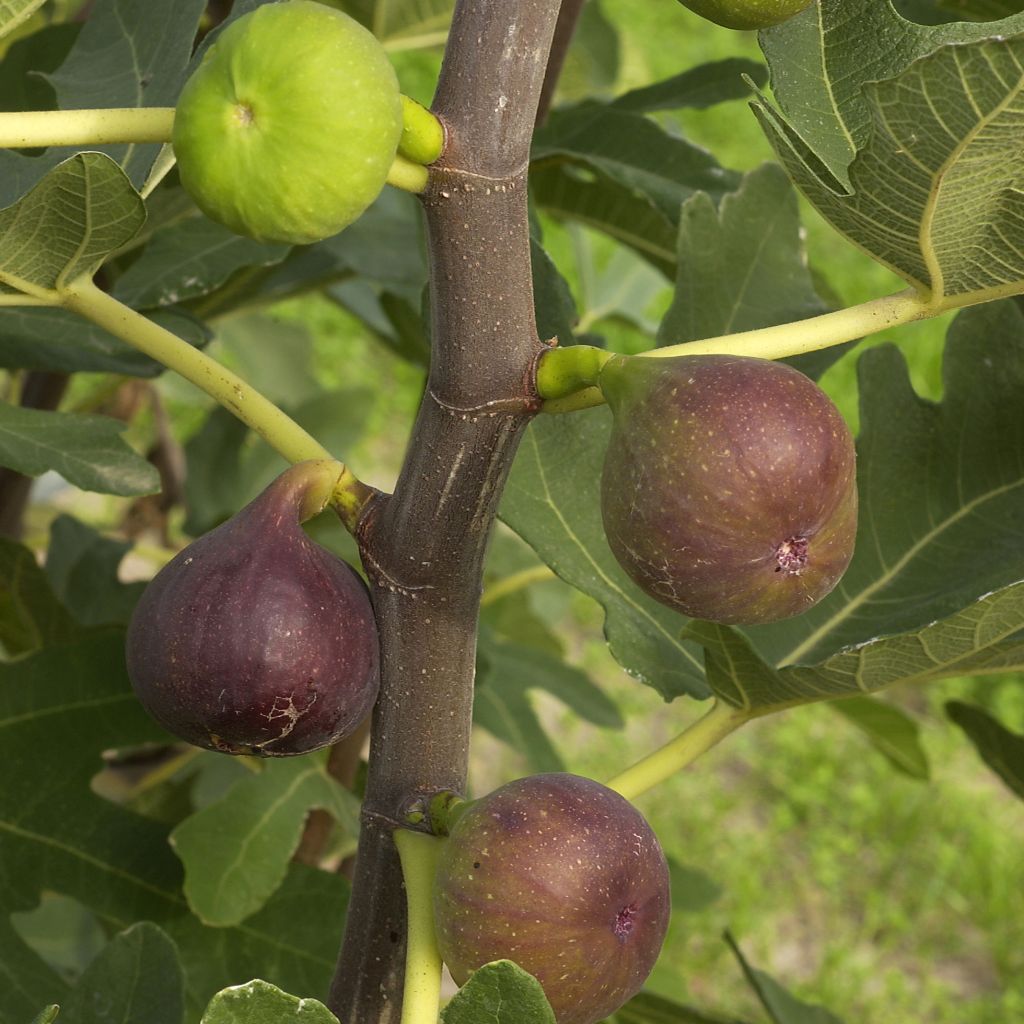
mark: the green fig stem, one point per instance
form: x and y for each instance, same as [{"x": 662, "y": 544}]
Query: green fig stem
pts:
[
  {"x": 672, "y": 758},
  {"x": 814, "y": 333},
  {"x": 419, "y": 855},
  {"x": 278, "y": 429},
  {"x": 423, "y": 134},
  {"x": 573, "y": 369},
  {"x": 41, "y": 128},
  {"x": 555, "y": 381},
  {"x": 408, "y": 176},
  {"x": 312, "y": 485}
]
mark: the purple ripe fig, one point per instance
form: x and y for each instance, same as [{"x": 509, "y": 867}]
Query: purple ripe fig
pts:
[
  {"x": 254, "y": 639},
  {"x": 562, "y": 876},
  {"x": 729, "y": 485}
]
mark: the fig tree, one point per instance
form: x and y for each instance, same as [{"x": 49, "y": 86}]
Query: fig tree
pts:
[
  {"x": 746, "y": 14},
  {"x": 254, "y": 639},
  {"x": 563, "y": 876},
  {"x": 287, "y": 129},
  {"x": 729, "y": 487}
]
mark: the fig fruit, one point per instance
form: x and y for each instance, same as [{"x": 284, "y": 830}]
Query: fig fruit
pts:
[
  {"x": 729, "y": 486},
  {"x": 746, "y": 14},
  {"x": 563, "y": 876},
  {"x": 254, "y": 639},
  {"x": 287, "y": 129}
]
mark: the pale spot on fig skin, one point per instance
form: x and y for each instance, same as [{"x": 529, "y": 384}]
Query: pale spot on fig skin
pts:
[
  {"x": 624, "y": 922},
  {"x": 244, "y": 114},
  {"x": 791, "y": 556}
]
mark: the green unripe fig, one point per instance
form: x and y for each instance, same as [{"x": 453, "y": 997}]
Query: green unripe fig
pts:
[
  {"x": 254, "y": 639},
  {"x": 288, "y": 128},
  {"x": 564, "y": 877},
  {"x": 746, "y": 14},
  {"x": 729, "y": 486}
]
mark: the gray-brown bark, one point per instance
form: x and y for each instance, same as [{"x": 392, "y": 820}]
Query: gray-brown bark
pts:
[{"x": 424, "y": 546}]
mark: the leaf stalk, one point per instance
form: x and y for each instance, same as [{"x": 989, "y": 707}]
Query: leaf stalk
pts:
[
  {"x": 557, "y": 369},
  {"x": 278, "y": 429},
  {"x": 41, "y": 128},
  {"x": 677, "y": 754}
]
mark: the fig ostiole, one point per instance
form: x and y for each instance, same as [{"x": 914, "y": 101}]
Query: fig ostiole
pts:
[
  {"x": 254, "y": 639},
  {"x": 288, "y": 128},
  {"x": 728, "y": 490},
  {"x": 564, "y": 877}
]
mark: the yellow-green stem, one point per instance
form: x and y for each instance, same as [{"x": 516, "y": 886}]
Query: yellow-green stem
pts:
[
  {"x": 422, "y": 138},
  {"x": 278, "y": 429},
  {"x": 814, "y": 333},
  {"x": 408, "y": 176},
  {"x": 33, "y": 128},
  {"x": 566, "y": 371},
  {"x": 672, "y": 758},
  {"x": 554, "y": 374},
  {"x": 421, "y": 998}
]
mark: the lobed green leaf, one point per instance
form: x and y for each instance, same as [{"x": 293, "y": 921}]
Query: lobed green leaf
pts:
[
  {"x": 86, "y": 450},
  {"x": 14, "y": 12},
  {"x": 55, "y": 340},
  {"x": 67, "y": 224},
  {"x": 742, "y": 265},
  {"x": 821, "y": 60},
  {"x": 780, "y": 1005},
  {"x": 74, "y": 702},
  {"x": 236, "y": 851},
  {"x": 137, "y": 977},
  {"x": 987, "y": 636},
  {"x": 499, "y": 993},
  {"x": 697, "y": 88},
  {"x": 30, "y": 614},
  {"x": 936, "y": 192},
  {"x": 1000, "y": 748},
  {"x": 258, "y": 1002}
]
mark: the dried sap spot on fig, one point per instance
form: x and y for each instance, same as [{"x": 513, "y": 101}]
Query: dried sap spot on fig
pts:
[
  {"x": 729, "y": 485},
  {"x": 563, "y": 876},
  {"x": 254, "y": 639}
]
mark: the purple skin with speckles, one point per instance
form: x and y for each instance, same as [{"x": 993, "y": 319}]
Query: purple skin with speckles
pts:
[
  {"x": 563, "y": 876},
  {"x": 729, "y": 486},
  {"x": 255, "y": 640}
]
